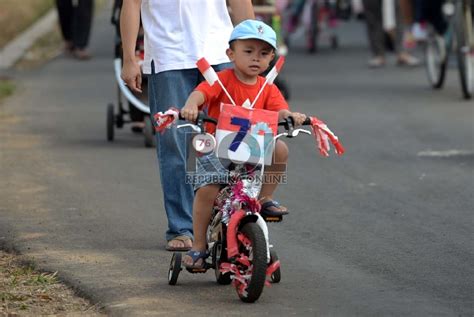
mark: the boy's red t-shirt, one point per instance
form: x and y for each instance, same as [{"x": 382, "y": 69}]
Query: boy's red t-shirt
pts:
[{"x": 270, "y": 99}]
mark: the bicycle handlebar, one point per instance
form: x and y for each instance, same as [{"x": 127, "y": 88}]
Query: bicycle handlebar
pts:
[
  {"x": 287, "y": 123},
  {"x": 198, "y": 125}
]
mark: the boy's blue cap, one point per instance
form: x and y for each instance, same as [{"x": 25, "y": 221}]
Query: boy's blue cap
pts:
[{"x": 254, "y": 29}]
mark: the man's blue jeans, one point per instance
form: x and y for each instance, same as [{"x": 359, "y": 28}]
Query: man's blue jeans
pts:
[{"x": 171, "y": 89}]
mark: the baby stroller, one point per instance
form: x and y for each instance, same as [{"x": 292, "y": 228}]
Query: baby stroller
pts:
[
  {"x": 138, "y": 112},
  {"x": 268, "y": 12}
]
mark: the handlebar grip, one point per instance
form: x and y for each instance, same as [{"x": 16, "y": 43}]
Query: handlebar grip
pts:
[
  {"x": 307, "y": 121},
  {"x": 202, "y": 117}
]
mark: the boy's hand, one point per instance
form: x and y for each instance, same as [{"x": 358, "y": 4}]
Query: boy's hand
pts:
[
  {"x": 299, "y": 118},
  {"x": 190, "y": 112}
]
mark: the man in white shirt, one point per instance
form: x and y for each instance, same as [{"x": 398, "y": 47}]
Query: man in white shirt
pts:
[{"x": 177, "y": 34}]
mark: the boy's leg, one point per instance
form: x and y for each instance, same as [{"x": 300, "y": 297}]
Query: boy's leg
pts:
[
  {"x": 202, "y": 212},
  {"x": 274, "y": 173}
]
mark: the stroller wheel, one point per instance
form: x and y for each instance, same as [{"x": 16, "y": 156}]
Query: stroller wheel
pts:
[
  {"x": 149, "y": 132},
  {"x": 110, "y": 122}
]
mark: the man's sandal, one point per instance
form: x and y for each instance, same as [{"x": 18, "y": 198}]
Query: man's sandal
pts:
[
  {"x": 196, "y": 256},
  {"x": 182, "y": 239}
]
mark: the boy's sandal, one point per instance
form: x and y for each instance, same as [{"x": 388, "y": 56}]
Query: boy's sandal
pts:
[
  {"x": 265, "y": 210},
  {"x": 182, "y": 239},
  {"x": 196, "y": 255}
]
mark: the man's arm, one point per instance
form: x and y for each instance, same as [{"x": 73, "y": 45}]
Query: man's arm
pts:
[
  {"x": 241, "y": 10},
  {"x": 129, "y": 26}
]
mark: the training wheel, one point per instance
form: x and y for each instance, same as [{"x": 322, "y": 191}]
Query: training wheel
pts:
[
  {"x": 276, "y": 276},
  {"x": 175, "y": 268}
]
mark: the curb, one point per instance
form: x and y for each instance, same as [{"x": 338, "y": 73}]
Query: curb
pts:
[{"x": 16, "y": 48}]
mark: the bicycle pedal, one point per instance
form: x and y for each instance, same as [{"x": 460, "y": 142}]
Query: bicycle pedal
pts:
[
  {"x": 197, "y": 270},
  {"x": 273, "y": 218}
]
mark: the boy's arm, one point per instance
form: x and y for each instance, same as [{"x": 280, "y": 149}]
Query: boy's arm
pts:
[
  {"x": 129, "y": 25},
  {"x": 191, "y": 107},
  {"x": 241, "y": 10}
]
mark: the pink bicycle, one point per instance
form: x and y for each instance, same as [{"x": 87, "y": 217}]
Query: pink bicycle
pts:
[{"x": 237, "y": 235}]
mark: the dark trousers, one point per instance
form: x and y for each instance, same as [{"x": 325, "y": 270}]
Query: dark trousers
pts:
[
  {"x": 375, "y": 31},
  {"x": 431, "y": 11},
  {"x": 75, "y": 19}
]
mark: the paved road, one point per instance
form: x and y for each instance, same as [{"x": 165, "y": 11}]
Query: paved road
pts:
[{"x": 385, "y": 230}]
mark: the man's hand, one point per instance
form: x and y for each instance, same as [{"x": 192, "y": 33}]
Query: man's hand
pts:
[
  {"x": 129, "y": 25},
  {"x": 132, "y": 76}
]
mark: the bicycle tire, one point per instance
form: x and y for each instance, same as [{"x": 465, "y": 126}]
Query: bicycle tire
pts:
[
  {"x": 436, "y": 60},
  {"x": 219, "y": 256},
  {"x": 258, "y": 258},
  {"x": 276, "y": 276},
  {"x": 174, "y": 268},
  {"x": 463, "y": 51}
]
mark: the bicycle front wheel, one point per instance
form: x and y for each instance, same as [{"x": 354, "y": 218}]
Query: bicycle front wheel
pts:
[
  {"x": 252, "y": 244},
  {"x": 464, "y": 50}
]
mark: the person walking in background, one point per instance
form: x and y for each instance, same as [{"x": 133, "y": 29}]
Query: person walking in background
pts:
[
  {"x": 172, "y": 48},
  {"x": 376, "y": 33},
  {"x": 75, "y": 20}
]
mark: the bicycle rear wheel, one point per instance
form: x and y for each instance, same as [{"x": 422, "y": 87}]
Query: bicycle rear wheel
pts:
[{"x": 464, "y": 37}]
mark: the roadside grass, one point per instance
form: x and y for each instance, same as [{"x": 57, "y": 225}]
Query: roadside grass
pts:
[
  {"x": 17, "y": 15},
  {"x": 44, "y": 49},
  {"x": 26, "y": 291},
  {"x": 7, "y": 87}
]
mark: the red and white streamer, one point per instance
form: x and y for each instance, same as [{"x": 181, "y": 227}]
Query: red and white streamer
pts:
[
  {"x": 324, "y": 136},
  {"x": 165, "y": 119}
]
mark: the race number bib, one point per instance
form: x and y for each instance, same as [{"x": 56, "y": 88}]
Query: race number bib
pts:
[{"x": 246, "y": 135}]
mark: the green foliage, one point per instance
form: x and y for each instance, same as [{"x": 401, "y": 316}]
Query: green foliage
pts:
[{"x": 7, "y": 87}]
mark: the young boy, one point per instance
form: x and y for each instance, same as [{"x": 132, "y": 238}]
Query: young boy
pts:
[{"x": 252, "y": 47}]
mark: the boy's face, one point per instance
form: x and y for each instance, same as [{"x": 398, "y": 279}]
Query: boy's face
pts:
[{"x": 250, "y": 57}]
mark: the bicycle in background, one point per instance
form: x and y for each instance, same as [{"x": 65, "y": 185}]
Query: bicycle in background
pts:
[{"x": 458, "y": 38}]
